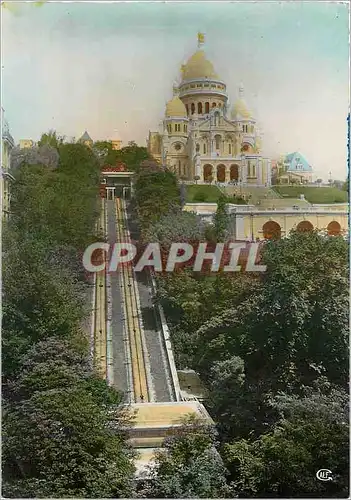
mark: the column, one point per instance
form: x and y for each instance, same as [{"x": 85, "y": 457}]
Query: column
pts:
[
  {"x": 259, "y": 180},
  {"x": 269, "y": 172},
  {"x": 243, "y": 172},
  {"x": 227, "y": 173}
]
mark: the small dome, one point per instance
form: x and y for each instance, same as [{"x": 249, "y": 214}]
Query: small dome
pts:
[
  {"x": 175, "y": 107},
  {"x": 198, "y": 67},
  {"x": 240, "y": 108}
]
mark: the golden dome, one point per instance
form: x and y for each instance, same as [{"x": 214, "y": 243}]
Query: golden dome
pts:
[
  {"x": 240, "y": 109},
  {"x": 198, "y": 67},
  {"x": 175, "y": 107}
]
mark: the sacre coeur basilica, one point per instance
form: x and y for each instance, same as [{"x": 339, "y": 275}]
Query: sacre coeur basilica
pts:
[{"x": 203, "y": 137}]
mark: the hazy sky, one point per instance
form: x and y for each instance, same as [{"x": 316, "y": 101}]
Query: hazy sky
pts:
[{"x": 109, "y": 67}]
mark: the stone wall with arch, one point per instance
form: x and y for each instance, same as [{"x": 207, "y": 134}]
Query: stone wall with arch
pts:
[
  {"x": 334, "y": 228},
  {"x": 252, "y": 226},
  {"x": 304, "y": 226}
]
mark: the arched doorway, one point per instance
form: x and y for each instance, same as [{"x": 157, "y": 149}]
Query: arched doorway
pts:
[
  {"x": 234, "y": 172},
  {"x": 304, "y": 226},
  {"x": 333, "y": 228},
  {"x": 271, "y": 230},
  {"x": 208, "y": 172},
  {"x": 221, "y": 173}
]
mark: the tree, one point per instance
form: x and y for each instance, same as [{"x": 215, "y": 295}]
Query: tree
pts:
[
  {"x": 189, "y": 466},
  {"x": 312, "y": 434},
  {"x": 58, "y": 444},
  {"x": 63, "y": 429},
  {"x": 51, "y": 139},
  {"x": 285, "y": 330},
  {"x": 132, "y": 155},
  {"x": 177, "y": 226},
  {"x": 45, "y": 155},
  {"x": 157, "y": 193},
  {"x": 221, "y": 220}
]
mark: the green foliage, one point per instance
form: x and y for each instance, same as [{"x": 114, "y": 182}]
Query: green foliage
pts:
[
  {"x": 311, "y": 434},
  {"x": 156, "y": 193},
  {"x": 52, "y": 139},
  {"x": 314, "y": 194},
  {"x": 54, "y": 213},
  {"x": 284, "y": 332},
  {"x": 62, "y": 427},
  {"x": 191, "y": 300},
  {"x": 221, "y": 220},
  {"x": 58, "y": 444},
  {"x": 189, "y": 466},
  {"x": 132, "y": 155},
  {"x": 177, "y": 226}
]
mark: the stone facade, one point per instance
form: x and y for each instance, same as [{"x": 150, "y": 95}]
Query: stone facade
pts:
[
  {"x": 202, "y": 137},
  {"x": 6, "y": 178}
]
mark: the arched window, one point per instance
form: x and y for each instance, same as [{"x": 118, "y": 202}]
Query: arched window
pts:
[
  {"x": 253, "y": 170},
  {"x": 179, "y": 168},
  {"x": 204, "y": 148},
  {"x": 184, "y": 128},
  {"x": 208, "y": 173},
  {"x": 170, "y": 128},
  {"x": 213, "y": 104},
  {"x": 229, "y": 148},
  {"x": 199, "y": 108},
  {"x": 207, "y": 107},
  {"x": 218, "y": 141},
  {"x": 192, "y": 108},
  {"x": 197, "y": 147},
  {"x": 234, "y": 172},
  {"x": 187, "y": 109},
  {"x": 221, "y": 173}
]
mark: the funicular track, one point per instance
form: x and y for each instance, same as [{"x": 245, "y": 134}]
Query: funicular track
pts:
[
  {"x": 100, "y": 331},
  {"x": 141, "y": 378}
]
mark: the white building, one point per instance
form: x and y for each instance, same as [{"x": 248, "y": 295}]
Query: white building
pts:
[{"x": 202, "y": 136}]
